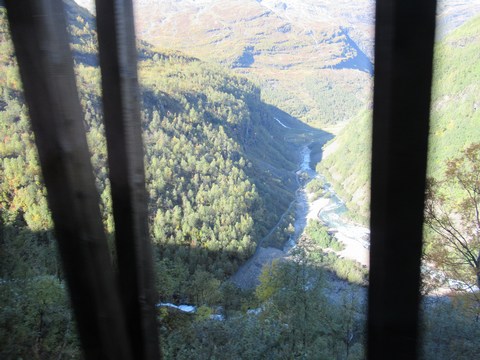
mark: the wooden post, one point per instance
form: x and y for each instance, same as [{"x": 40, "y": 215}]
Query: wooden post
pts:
[
  {"x": 41, "y": 44},
  {"x": 118, "y": 60},
  {"x": 403, "y": 75}
]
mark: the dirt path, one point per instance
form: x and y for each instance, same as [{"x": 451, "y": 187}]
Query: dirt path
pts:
[{"x": 247, "y": 275}]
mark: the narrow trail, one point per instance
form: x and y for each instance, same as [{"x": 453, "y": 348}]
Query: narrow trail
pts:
[{"x": 247, "y": 275}]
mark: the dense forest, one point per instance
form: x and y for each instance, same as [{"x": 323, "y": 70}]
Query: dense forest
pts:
[
  {"x": 219, "y": 177},
  {"x": 211, "y": 146},
  {"x": 220, "y": 172}
]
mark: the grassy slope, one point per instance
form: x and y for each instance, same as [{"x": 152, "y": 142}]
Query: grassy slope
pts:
[
  {"x": 455, "y": 120},
  {"x": 347, "y": 165},
  {"x": 456, "y": 105}
]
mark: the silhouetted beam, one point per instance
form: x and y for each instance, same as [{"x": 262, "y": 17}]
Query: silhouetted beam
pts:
[
  {"x": 403, "y": 73},
  {"x": 41, "y": 44},
  {"x": 118, "y": 60}
]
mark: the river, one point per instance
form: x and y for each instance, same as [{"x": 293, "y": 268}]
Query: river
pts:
[{"x": 331, "y": 211}]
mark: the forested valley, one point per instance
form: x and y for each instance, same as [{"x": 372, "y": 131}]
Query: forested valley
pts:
[
  {"x": 219, "y": 176},
  {"x": 222, "y": 172},
  {"x": 451, "y": 194}
]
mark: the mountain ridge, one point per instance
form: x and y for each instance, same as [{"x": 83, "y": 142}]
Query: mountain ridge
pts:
[
  {"x": 291, "y": 49},
  {"x": 312, "y": 59}
]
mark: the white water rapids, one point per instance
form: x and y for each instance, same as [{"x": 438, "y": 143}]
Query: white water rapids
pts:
[{"x": 331, "y": 211}]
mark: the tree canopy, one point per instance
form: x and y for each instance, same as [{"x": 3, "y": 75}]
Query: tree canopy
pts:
[{"x": 452, "y": 213}]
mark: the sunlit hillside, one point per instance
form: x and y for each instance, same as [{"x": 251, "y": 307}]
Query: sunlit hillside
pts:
[
  {"x": 455, "y": 120},
  {"x": 311, "y": 60}
]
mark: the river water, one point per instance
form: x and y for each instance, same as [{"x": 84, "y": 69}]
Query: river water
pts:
[{"x": 331, "y": 211}]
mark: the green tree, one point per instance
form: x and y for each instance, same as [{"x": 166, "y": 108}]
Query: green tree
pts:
[
  {"x": 293, "y": 295},
  {"x": 452, "y": 213},
  {"x": 36, "y": 321},
  {"x": 312, "y": 323}
]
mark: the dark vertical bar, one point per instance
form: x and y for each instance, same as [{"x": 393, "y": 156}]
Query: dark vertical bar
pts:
[
  {"x": 403, "y": 73},
  {"x": 118, "y": 60},
  {"x": 39, "y": 35}
]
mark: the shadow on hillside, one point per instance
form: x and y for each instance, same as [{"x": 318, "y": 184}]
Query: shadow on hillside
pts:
[
  {"x": 85, "y": 58},
  {"x": 38, "y": 316},
  {"x": 159, "y": 101},
  {"x": 294, "y": 123},
  {"x": 33, "y": 288},
  {"x": 32, "y": 257},
  {"x": 31, "y": 279},
  {"x": 301, "y": 134},
  {"x": 359, "y": 62}
]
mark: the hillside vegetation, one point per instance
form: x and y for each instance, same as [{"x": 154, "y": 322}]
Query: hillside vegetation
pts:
[
  {"x": 454, "y": 124},
  {"x": 219, "y": 175},
  {"x": 455, "y": 103},
  {"x": 346, "y": 165},
  {"x": 310, "y": 59},
  {"x": 220, "y": 169}
]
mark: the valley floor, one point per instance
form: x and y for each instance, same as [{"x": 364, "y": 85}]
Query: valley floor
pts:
[{"x": 324, "y": 209}]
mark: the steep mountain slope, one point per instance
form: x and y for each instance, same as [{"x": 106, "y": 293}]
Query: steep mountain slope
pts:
[
  {"x": 306, "y": 63},
  {"x": 220, "y": 173},
  {"x": 212, "y": 146},
  {"x": 454, "y": 119},
  {"x": 357, "y": 16},
  {"x": 346, "y": 164},
  {"x": 249, "y": 33},
  {"x": 455, "y": 99},
  {"x": 313, "y": 59}
]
